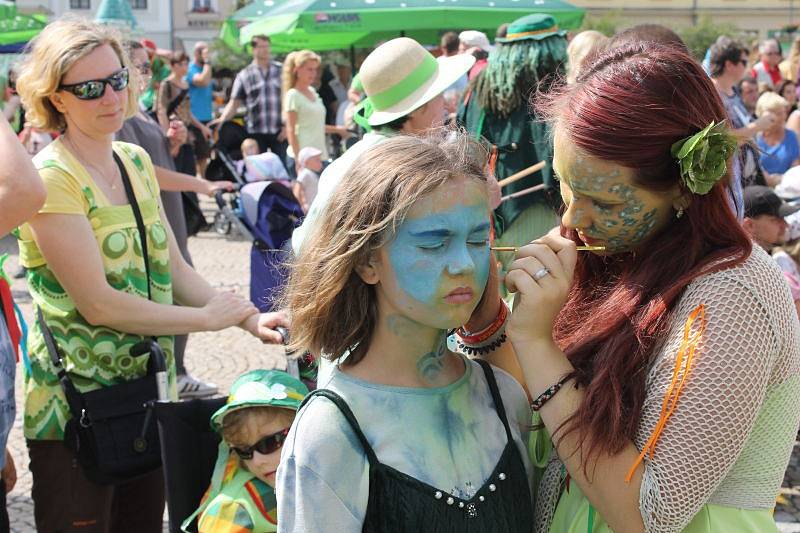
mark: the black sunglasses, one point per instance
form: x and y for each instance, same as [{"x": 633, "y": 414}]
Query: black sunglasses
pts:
[
  {"x": 94, "y": 89},
  {"x": 264, "y": 446}
]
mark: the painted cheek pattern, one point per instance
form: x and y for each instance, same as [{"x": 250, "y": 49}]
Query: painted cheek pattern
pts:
[{"x": 634, "y": 223}]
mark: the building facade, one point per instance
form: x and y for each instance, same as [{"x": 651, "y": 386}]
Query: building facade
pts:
[
  {"x": 172, "y": 24},
  {"x": 756, "y": 17}
]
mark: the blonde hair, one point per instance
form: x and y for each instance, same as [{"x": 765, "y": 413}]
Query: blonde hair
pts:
[
  {"x": 333, "y": 310},
  {"x": 580, "y": 47},
  {"x": 52, "y": 53},
  {"x": 236, "y": 426},
  {"x": 290, "y": 64},
  {"x": 770, "y": 101}
]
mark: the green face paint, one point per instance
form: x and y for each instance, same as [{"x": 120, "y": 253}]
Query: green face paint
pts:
[{"x": 604, "y": 204}]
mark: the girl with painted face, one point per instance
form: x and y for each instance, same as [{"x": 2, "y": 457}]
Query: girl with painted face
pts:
[
  {"x": 667, "y": 367},
  {"x": 405, "y": 435}
]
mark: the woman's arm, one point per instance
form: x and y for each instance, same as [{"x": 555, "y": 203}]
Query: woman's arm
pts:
[
  {"x": 169, "y": 180},
  {"x": 161, "y": 105},
  {"x": 291, "y": 134},
  {"x": 22, "y": 192},
  {"x": 70, "y": 249}
]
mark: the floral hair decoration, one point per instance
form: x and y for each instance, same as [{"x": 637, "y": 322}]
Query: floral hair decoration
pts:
[{"x": 703, "y": 157}]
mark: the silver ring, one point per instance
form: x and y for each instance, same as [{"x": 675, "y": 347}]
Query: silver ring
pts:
[{"x": 541, "y": 273}]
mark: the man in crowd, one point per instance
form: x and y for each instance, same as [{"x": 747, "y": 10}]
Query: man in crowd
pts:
[
  {"x": 766, "y": 70},
  {"x": 764, "y": 220},
  {"x": 201, "y": 98},
  {"x": 748, "y": 92},
  {"x": 475, "y": 43},
  {"x": 160, "y": 69},
  {"x": 258, "y": 87}
]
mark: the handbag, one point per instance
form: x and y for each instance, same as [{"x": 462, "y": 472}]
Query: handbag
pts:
[{"x": 112, "y": 431}]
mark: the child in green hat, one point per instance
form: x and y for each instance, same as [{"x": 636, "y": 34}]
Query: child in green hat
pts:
[{"x": 254, "y": 423}]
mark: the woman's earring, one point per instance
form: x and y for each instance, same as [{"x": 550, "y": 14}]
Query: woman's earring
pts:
[{"x": 679, "y": 214}]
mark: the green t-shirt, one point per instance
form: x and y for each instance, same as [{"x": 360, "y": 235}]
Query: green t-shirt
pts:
[{"x": 95, "y": 356}]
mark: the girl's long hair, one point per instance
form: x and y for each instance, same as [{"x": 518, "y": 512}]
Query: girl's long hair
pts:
[
  {"x": 629, "y": 106},
  {"x": 333, "y": 310}
]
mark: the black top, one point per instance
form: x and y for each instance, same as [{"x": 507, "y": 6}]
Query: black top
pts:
[{"x": 400, "y": 503}]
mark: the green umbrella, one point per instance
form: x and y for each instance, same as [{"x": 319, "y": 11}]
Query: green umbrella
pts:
[
  {"x": 16, "y": 28},
  {"x": 336, "y": 24}
]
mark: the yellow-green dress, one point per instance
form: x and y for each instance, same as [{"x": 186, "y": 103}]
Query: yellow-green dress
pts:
[{"x": 95, "y": 356}]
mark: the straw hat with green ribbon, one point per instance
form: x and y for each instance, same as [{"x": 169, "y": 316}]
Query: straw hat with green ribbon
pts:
[
  {"x": 536, "y": 26},
  {"x": 400, "y": 76}
]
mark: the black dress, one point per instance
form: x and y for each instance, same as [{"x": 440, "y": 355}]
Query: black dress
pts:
[{"x": 400, "y": 503}]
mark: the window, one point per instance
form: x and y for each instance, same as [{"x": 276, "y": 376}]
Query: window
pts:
[
  {"x": 202, "y": 6},
  {"x": 80, "y": 4},
  {"x": 138, "y": 4}
]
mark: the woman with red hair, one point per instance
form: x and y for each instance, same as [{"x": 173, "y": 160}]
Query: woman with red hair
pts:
[{"x": 665, "y": 364}]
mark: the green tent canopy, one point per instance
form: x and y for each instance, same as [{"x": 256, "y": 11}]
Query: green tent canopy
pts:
[
  {"x": 339, "y": 24},
  {"x": 16, "y": 28}
]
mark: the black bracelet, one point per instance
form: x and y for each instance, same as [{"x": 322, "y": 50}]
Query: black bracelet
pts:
[{"x": 549, "y": 393}]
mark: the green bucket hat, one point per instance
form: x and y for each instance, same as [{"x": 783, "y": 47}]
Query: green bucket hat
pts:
[
  {"x": 536, "y": 26},
  {"x": 261, "y": 388}
]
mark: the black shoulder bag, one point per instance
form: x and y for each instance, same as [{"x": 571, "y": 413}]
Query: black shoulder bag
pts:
[{"x": 112, "y": 430}]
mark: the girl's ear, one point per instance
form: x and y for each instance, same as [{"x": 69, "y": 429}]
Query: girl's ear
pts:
[{"x": 369, "y": 271}]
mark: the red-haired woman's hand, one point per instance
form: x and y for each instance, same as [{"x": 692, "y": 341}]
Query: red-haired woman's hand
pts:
[{"x": 541, "y": 276}]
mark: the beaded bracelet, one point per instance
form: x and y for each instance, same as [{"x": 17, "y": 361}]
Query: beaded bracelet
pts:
[
  {"x": 486, "y": 340},
  {"x": 549, "y": 393},
  {"x": 479, "y": 337}
]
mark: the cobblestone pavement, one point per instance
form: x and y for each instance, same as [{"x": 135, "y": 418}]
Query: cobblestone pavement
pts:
[
  {"x": 218, "y": 357},
  {"x": 222, "y": 356}
]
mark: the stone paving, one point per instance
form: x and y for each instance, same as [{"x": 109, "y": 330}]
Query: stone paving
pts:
[{"x": 222, "y": 356}]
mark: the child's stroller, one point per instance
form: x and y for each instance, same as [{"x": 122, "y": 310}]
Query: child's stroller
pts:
[{"x": 272, "y": 212}]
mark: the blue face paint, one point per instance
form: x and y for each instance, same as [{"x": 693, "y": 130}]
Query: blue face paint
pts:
[{"x": 434, "y": 254}]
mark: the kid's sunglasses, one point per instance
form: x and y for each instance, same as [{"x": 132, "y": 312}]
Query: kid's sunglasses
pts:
[
  {"x": 264, "y": 446},
  {"x": 94, "y": 89}
]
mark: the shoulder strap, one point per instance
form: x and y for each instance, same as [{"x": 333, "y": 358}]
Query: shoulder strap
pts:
[
  {"x": 339, "y": 402},
  {"x": 173, "y": 105},
  {"x": 496, "y": 397},
  {"x": 137, "y": 214}
]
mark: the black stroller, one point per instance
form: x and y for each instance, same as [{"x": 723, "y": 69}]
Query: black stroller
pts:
[{"x": 188, "y": 452}]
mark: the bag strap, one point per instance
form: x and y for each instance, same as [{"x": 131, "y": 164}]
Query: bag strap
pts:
[
  {"x": 173, "y": 105},
  {"x": 137, "y": 214}
]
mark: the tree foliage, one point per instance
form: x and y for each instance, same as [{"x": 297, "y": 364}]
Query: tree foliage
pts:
[{"x": 701, "y": 36}]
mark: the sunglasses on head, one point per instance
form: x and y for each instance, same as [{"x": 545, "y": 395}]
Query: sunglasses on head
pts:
[
  {"x": 94, "y": 89},
  {"x": 264, "y": 446}
]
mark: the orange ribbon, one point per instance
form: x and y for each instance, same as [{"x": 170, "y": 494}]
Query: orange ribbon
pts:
[{"x": 682, "y": 362}]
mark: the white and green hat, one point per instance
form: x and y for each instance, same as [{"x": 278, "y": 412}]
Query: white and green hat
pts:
[
  {"x": 261, "y": 388},
  {"x": 400, "y": 76}
]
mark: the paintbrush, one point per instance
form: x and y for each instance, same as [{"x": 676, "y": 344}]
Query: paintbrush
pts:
[{"x": 579, "y": 248}]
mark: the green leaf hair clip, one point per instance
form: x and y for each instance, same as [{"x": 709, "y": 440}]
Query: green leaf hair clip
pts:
[{"x": 703, "y": 157}]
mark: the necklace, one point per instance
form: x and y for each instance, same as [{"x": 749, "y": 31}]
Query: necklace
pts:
[{"x": 85, "y": 162}]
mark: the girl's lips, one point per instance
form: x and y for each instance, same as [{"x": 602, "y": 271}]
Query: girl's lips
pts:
[{"x": 461, "y": 295}]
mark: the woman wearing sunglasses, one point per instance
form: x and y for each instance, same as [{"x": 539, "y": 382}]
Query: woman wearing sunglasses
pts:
[{"x": 87, "y": 274}]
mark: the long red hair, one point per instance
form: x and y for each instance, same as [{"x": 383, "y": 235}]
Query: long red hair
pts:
[{"x": 629, "y": 106}]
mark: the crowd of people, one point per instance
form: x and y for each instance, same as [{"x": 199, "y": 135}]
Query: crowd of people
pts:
[{"x": 552, "y": 283}]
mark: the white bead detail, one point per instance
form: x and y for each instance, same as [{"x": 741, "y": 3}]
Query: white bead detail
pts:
[
  {"x": 481, "y": 498},
  {"x": 438, "y": 495},
  {"x": 502, "y": 476},
  {"x": 492, "y": 487},
  {"x": 450, "y": 501},
  {"x": 460, "y": 505}
]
